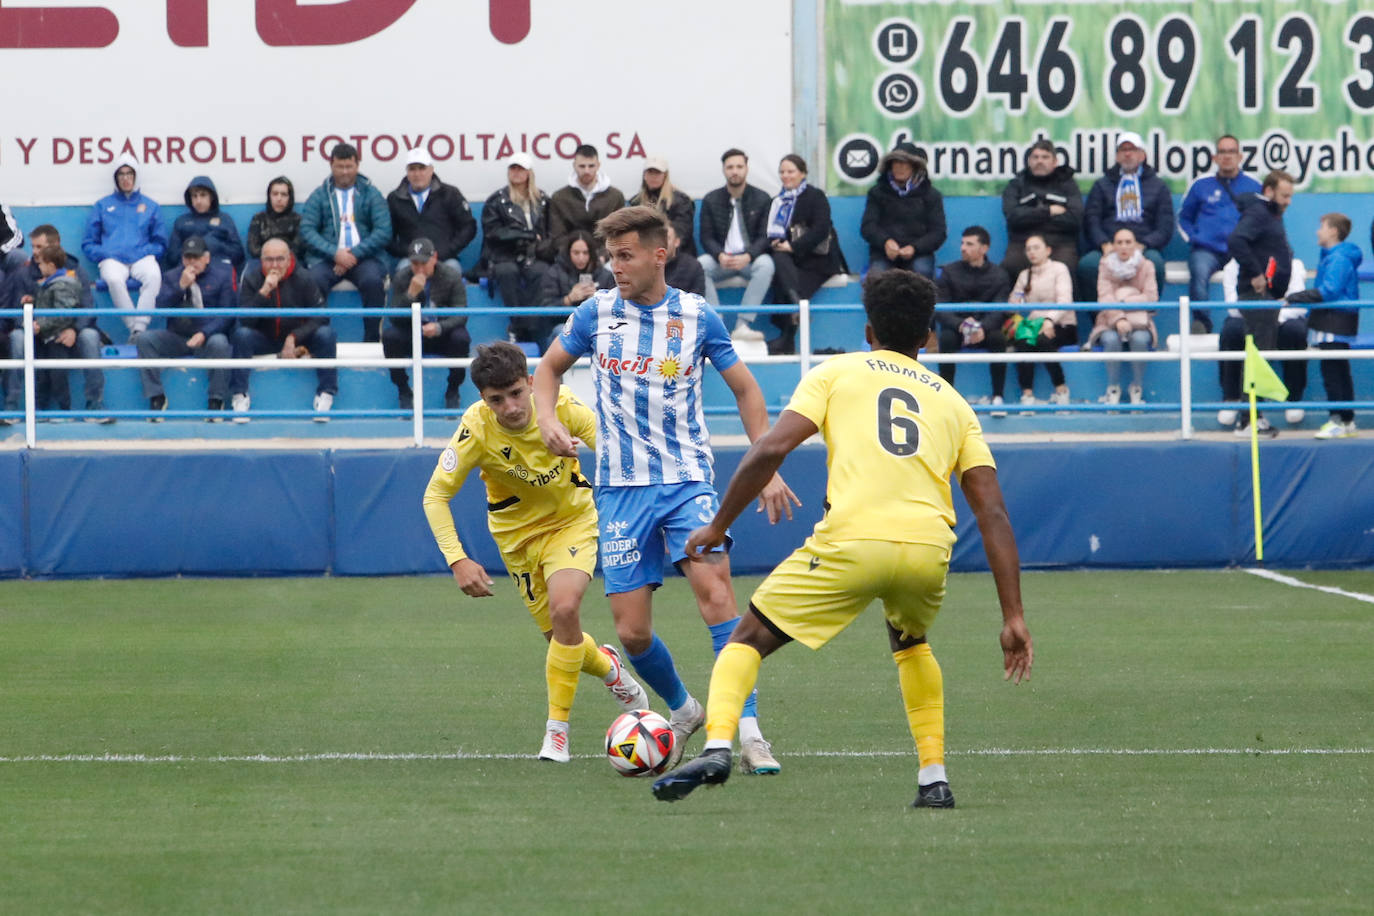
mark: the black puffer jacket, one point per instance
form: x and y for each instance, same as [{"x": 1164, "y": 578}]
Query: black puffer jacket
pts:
[
  {"x": 267, "y": 224},
  {"x": 682, "y": 214},
  {"x": 295, "y": 291},
  {"x": 446, "y": 220},
  {"x": 716, "y": 210},
  {"x": 1026, "y": 204},
  {"x": 1258, "y": 237},
  {"x": 506, "y": 236},
  {"x": 1156, "y": 226},
  {"x": 918, "y": 219}
]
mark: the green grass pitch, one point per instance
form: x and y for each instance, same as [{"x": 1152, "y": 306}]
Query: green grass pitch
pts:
[{"x": 1189, "y": 742}]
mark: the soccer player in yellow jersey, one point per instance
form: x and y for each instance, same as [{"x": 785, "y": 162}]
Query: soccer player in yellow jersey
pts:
[
  {"x": 540, "y": 512},
  {"x": 894, "y": 432}
]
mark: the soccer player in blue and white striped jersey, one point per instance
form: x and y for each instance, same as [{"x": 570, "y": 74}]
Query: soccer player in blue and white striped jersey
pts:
[{"x": 648, "y": 344}]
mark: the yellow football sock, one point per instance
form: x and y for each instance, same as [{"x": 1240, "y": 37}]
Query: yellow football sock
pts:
[
  {"x": 594, "y": 661},
  {"x": 561, "y": 667},
  {"x": 732, "y": 678},
  {"x": 923, "y": 693}
]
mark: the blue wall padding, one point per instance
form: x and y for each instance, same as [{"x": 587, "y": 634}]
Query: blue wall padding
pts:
[
  {"x": 159, "y": 514},
  {"x": 1131, "y": 504}
]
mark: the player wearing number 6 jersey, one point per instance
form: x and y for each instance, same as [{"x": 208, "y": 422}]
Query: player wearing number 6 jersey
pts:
[
  {"x": 540, "y": 512},
  {"x": 649, "y": 344},
  {"x": 894, "y": 433}
]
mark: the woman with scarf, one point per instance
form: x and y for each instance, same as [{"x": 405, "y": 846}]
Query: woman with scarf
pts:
[
  {"x": 1124, "y": 277},
  {"x": 804, "y": 249},
  {"x": 1046, "y": 281},
  {"x": 904, "y": 216}
]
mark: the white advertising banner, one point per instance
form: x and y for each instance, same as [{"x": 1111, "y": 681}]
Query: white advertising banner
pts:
[{"x": 244, "y": 90}]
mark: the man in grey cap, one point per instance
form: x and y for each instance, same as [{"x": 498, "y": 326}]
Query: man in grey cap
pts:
[
  {"x": 1130, "y": 196},
  {"x": 422, "y": 205},
  {"x": 904, "y": 216},
  {"x": 435, "y": 285}
]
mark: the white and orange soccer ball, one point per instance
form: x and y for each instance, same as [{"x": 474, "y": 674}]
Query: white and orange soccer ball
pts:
[{"x": 638, "y": 743}]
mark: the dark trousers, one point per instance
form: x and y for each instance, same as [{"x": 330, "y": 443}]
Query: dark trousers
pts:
[
  {"x": 1064, "y": 336},
  {"x": 51, "y": 384},
  {"x": 1291, "y": 335},
  {"x": 453, "y": 345},
  {"x": 518, "y": 284},
  {"x": 793, "y": 283},
  {"x": 250, "y": 342},
  {"x": 994, "y": 341},
  {"x": 1337, "y": 379},
  {"x": 369, "y": 275}
]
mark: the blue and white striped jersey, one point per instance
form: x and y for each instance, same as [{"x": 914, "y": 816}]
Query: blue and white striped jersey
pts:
[{"x": 647, "y": 363}]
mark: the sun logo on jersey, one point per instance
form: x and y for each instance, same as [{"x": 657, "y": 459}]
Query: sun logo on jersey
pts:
[
  {"x": 669, "y": 368},
  {"x": 674, "y": 329}
]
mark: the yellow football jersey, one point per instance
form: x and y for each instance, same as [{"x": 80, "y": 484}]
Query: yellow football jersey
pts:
[
  {"x": 894, "y": 432},
  {"x": 529, "y": 490}
]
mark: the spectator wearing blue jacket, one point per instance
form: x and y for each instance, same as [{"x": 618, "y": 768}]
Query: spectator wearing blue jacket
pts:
[
  {"x": 1209, "y": 213},
  {"x": 125, "y": 237},
  {"x": 1338, "y": 280},
  {"x": 201, "y": 281},
  {"x": 205, "y": 219},
  {"x": 345, "y": 225},
  {"x": 1131, "y": 196}
]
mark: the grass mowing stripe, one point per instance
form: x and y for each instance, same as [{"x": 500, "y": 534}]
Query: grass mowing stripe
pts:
[{"x": 1298, "y": 583}]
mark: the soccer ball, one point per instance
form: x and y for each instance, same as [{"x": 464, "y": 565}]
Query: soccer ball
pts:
[{"x": 638, "y": 743}]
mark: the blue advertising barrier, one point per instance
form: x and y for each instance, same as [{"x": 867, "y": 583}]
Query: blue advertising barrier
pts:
[{"x": 347, "y": 512}]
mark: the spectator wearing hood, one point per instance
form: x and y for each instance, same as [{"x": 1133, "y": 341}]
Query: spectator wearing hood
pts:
[
  {"x": 124, "y": 238},
  {"x": 346, "y": 226},
  {"x": 587, "y": 198},
  {"x": 1042, "y": 199},
  {"x": 656, "y": 190},
  {"x": 904, "y": 216},
  {"x": 277, "y": 220},
  {"x": 422, "y": 206},
  {"x": 205, "y": 219},
  {"x": 1129, "y": 196}
]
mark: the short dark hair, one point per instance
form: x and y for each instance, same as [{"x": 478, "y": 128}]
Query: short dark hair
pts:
[
  {"x": 733, "y": 151},
  {"x": 979, "y": 233},
  {"x": 1227, "y": 137},
  {"x": 52, "y": 254},
  {"x": 1046, "y": 144},
  {"x": 586, "y": 151},
  {"x": 48, "y": 231},
  {"x": 1338, "y": 221},
  {"x": 796, "y": 160},
  {"x": 649, "y": 222},
  {"x": 1273, "y": 178},
  {"x": 899, "y": 305},
  {"x": 498, "y": 365},
  {"x": 343, "y": 151}
]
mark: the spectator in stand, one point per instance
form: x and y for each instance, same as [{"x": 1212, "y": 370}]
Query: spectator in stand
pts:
[
  {"x": 434, "y": 284},
  {"x": 422, "y": 206},
  {"x": 125, "y": 237},
  {"x": 204, "y": 218},
  {"x": 1264, "y": 264},
  {"x": 60, "y": 336},
  {"x": 517, "y": 245},
  {"x": 202, "y": 281},
  {"x": 682, "y": 270},
  {"x": 346, "y": 227},
  {"x": 973, "y": 278},
  {"x": 804, "y": 249},
  {"x": 587, "y": 198},
  {"x": 279, "y": 282},
  {"x": 11, "y": 244},
  {"x": 1209, "y": 213},
  {"x": 277, "y": 220},
  {"x": 656, "y": 190},
  {"x": 1124, "y": 277},
  {"x": 1045, "y": 281},
  {"x": 572, "y": 279},
  {"x": 1332, "y": 328},
  {"x": 1291, "y": 335},
  {"x": 1043, "y": 199},
  {"x": 734, "y": 239},
  {"x": 1129, "y": 195},
  {"x": 904, "y": 216}
]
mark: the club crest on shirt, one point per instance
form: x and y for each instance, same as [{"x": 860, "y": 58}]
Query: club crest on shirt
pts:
[{"x": 673, "y": 328}]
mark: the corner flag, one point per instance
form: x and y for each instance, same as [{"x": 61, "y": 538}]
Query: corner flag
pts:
[{"x": 1259, "y": 376}]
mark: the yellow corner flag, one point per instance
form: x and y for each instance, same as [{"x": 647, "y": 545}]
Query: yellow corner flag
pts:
[{"x": 1259, "y": 375}]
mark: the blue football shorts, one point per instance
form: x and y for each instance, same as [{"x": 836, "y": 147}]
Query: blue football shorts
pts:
[{"x": 640, "y": 526}]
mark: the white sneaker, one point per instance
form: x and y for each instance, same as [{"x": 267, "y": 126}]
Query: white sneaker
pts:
[
  {"x": 323, "y": 401},
  {"x": 743, "y": 331},
  {"x": 628, "y": 692},
  {"x": 1113, "y": 395},
  {"x": 997, "y": 403},
  {"x": 555, "y": 747},
  {"x": 684, "y": 723},
  {"x": 1028, "y": 400},
  {"x": 1062, "y": 397},
  {"x": 1294, "y": 415},
  {"x": 1335, "y": 429},
  {"x": 240, "y": 403},
  {"x": 1226, "y": 417},
  {"x": 756, "y": 758},
  {"x": 1137, "y": 394}
]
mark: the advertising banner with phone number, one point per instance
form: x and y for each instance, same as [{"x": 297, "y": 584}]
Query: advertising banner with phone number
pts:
[{"x": 973, "y": 84}]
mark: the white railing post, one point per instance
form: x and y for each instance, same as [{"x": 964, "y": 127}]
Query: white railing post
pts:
[
  {"x": 1185, "y": 367},
  {"x": 30, "y": 394},
  {"x": 804, "y": 335},
  {"x": 417, "y": 374}
]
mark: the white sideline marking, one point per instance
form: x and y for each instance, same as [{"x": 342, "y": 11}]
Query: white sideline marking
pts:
[
  {"x": 1298, "y": 583},
  {"x": 459, "y": 755}
]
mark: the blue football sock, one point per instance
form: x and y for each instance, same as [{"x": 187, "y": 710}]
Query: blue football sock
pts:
[
  {"x": 656, "y": 667},
  {"x": 720, "y": 635}
]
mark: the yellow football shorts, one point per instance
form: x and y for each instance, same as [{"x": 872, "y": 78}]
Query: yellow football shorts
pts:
[
  {"x": 533, "y": 561},
  {"x": 819, "y": 590}
]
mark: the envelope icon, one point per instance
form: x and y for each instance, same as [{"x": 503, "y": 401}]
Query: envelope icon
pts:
[{"x": 858, "y": 159}]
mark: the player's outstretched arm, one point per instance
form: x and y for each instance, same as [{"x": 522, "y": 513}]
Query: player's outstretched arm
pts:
[
  {"x": 758, "y": 466},
  {"x": 471, "y": 578},
  {"x": 984, "y": 497},
  {"x": 775, "y": 497},
  {"x": 548, "y": 375}
]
